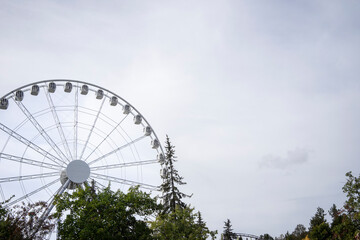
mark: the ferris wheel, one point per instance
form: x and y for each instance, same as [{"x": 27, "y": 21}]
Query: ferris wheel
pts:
[{"x": 57, "y": 135}]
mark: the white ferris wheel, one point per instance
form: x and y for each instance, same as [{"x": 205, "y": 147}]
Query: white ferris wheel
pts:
[{"x": 56, "y": 135}]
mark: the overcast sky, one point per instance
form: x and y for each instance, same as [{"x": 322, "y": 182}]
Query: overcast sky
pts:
[{"x": 260, "y": 98}]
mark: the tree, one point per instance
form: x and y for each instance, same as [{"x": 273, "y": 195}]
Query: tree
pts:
[
  {"x": 266, "y": 236},
  {"x": 202, "y": 229},
  {"x": 352, "y": 204},
  {"x": 346, "y": 222},
  {"x": 171, "y": 195},
  {"x": 105, "y": 214},
  {"x": 340, "y": 226},
  {"x": 320, "y": 232},
  {"x": 319, "y": 229},
  {"x": 344, "y": 228},
  {"x": 335, "y": 215},
  {"x": 228, "y": 233},
  {"x": 318, "y": 218},
  {"x": 183, "y": 223},
  {"x": 288, "y": 236},
  {"x": 22, "y": 221},
  {"x": 299, "y": 232},
  {"x": 281, "y": 237}
]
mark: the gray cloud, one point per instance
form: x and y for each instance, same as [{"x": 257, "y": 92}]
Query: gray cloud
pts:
[{"x": 293, "y": 157}]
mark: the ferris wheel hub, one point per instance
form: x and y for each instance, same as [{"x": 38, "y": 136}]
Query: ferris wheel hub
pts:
[{"x": 78, "y": 171}]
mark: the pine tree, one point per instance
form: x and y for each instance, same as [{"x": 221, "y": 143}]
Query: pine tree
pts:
[
  {"x": 228, "y": 231},
  {"x": 319, "y": 228},
  {"x": 200, "y": 220},
  {"x": 203, "y": 231},
  {"x": 171, "y": 195}
]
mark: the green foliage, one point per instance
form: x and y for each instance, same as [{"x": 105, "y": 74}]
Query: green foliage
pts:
[
  {"x": 8, "y": 228},
  {"x": 266, "y": 236},
  {"x": 320, "y": 232},
  {"x": 346, "y": 222},
  {"x": 341, "y": 225},
  {"x": 318, "y": 219},
  {"x": 299, "y": 233},
  {"x": 319, "y": 228},
  {"x": 288, "y": 236},
  {"x": 335, "y": 215},
  {"x": 105, "y": 214},
  {"x": 352, "y": 204},
  {"x": 183, "y": 223},
  {"x": 22, "y": 222},
  {"x": 172, "y": 197},
  {"x": 228, "y": 233},
  {"x": 344, "y": 229}
]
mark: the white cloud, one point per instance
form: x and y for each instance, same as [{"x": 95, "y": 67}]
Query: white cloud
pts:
[{"x": 293, "y": 158}]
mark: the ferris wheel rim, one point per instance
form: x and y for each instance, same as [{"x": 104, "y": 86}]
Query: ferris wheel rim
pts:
[{"x": 8, "y": 95}]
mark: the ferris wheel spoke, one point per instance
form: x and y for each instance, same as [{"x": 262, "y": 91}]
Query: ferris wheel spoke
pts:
[
  {"x": 106, "y": 137},
  {"x": 58, "y": 125},
  {"x": 32, "y": 145},
  {"x": 33, "y": 192},
  {"x": 92, "y": 128},
  {"x": 124, "y": 181},
  {"x": 28, "y": 177},
  {"x": 122, "y": 165},
  {"x": 51, "y": 206},
  {"x": 76, "y": 116},
  {"x": 116, "y": 150},
  {"x": 2, "y": 194},
  {"x": 40, "y": 129},
  {"x": 29, "y": 161}
]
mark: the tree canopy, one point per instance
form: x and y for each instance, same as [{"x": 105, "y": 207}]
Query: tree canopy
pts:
[
  {"x": 105, "y": 214},
  {"x": 183, "y": 223},
  {"x": 22, "y": 222},
  {"x": 352, "y": 204}
]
